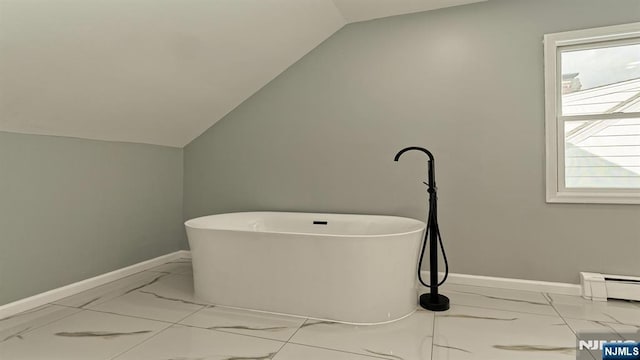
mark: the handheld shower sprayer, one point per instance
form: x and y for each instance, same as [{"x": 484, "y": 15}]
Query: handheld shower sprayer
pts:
[{"x": 431, "y": 301}]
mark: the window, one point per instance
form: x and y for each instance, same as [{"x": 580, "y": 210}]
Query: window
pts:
[{"x": 592, "y": 98}]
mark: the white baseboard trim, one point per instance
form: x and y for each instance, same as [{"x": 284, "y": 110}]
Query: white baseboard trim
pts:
[
  {"x": 511, "y": 284},
  {"x": 80, "y": 286}
]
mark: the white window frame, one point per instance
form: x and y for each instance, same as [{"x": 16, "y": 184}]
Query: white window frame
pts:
[{"x": 554, "y": 121}]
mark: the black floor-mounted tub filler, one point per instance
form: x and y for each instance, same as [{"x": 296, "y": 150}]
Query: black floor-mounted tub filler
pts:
[{"x": 431, "y": 301}]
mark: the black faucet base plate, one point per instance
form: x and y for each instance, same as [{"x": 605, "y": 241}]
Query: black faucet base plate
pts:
[{"x": 441, "y": 303}]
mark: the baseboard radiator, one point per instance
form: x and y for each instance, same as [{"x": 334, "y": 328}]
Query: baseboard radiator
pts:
[{"x": 600, "y": 287}]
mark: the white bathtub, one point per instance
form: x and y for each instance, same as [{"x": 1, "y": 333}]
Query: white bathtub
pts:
[{"x": 346, "y": 268}]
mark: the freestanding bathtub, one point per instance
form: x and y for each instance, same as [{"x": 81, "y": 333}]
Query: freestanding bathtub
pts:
[{"x": 346, "y": 268}]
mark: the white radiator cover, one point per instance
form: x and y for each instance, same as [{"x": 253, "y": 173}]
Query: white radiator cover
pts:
[{"x": 600, "y": 287}]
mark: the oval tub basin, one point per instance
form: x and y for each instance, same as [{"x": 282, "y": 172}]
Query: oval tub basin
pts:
[{"x": 357, "y": 269}]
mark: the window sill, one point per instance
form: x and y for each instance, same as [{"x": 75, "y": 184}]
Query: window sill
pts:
[{"x": 584, "y": 197}]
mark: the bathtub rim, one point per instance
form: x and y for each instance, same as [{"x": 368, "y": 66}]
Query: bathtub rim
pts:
[{"x": 423, "y": 225}]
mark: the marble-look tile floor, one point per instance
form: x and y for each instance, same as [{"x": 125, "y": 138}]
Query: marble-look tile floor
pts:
[{"x": 154, "y": 315}]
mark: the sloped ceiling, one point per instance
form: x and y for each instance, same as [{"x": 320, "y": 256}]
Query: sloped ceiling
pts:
[
  {"x": 156, "y": 71},
  {"x": 360, "y": 10}
]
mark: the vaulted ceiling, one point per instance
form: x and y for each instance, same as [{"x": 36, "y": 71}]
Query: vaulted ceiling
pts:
[{"x": 156, "y": 71}]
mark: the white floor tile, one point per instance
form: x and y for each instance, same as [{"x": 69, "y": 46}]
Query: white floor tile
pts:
[
  {"x": 587, "y": 330},
  {"x": 169, "y": 299},
  {"x": 302, "y": 352},
  {"x": 612, "y": 311},
  {"x": 111, "y": 290},
  {"x": 408, "y": 339},
  {"x": 584, "y": 326},
  {"x": 18, "y": 325},
  {"x": 183, "y": 342},
  {"x": 86, "y": 335},
  {"x": 475, "y": 333},
  {"x": 500, "y": 299},
  {"x": 276, "y": 327},
  {"x": 180, "y": 266}
]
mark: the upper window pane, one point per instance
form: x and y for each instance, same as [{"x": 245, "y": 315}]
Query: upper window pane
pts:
[{"x": 601, "y": 80}]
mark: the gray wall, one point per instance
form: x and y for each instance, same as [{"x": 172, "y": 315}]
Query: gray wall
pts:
[
  {"x": 71, "y": 209},
  {"x": 465, "y": 82}
]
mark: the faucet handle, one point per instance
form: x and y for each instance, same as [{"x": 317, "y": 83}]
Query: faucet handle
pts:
[{"x": 430, "y": 188}]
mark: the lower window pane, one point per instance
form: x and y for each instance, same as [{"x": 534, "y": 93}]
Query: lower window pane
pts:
[{"x": 602, "y": 154}]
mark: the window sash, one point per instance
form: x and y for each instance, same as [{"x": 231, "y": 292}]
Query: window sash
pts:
[
  {"x": 554, "y": 44},
  {"x": 611, "y": 116},
  {"x": 590, "y": 45},
  {"x": 561, "y": 166}
]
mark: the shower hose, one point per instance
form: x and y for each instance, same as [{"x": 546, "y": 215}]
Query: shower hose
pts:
[{"x": 432, "y": 225}]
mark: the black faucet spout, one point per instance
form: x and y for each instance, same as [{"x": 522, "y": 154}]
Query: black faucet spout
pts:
[
  {"x": 429, "y": 154},
  {"x": 430, "y": 165}
]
